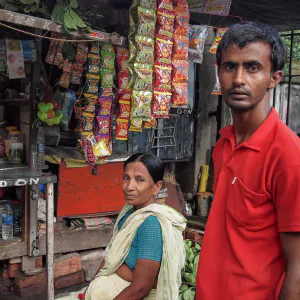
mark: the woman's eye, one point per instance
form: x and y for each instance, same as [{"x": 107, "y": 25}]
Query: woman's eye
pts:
[
  {"x": 125, "y": 177},
  {"x": 139, "y": 179}
]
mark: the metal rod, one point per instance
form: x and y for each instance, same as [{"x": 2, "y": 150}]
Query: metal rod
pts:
[
  {"x": 50, "y": 242},
  {"x": 290, "y": 77}
]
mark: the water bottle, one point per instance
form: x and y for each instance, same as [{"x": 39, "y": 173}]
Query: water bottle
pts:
[
  {"x": 40, "y": 140},
  {"x": 7, "y": 222}
]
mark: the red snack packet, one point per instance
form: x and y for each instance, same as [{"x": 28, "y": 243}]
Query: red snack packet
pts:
[
  {"x": 166, "y": 24},
  {"x": 161, "y": 107},
  {"x": 182, "y": 25},
  {"x": 165, "y": 5},
  {"x": 104, "y": 124},
  {"x": 125, "y": 97},
  {"x": 181, "y": 7},
  {"x": 122, "y": 130},
  {"x": 123, "y": 80},
  {"x": 122, "y": 59},
  {"x": 124, "y": 110},
  {"x": 163, "y": 51},
  {"x": 105, "y": 106},
  {"x": 181, "y": 48},
  {"x": 163, "y": 78},
  {"x": 180, "y": 94},
  {"x": 150, "y": 124},
  {"x": 90, "y": 151},
  {"x": 180, "y": 71}
]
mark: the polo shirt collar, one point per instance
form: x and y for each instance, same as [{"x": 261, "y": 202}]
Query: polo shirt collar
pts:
[{"x": 256, "y": 141}]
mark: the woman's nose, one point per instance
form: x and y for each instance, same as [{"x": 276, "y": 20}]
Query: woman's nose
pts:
[{"x": 130, "y": 185}]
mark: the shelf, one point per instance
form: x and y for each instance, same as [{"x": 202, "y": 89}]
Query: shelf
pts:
[
  {"x": 15, "y": 102},
  {"x": 48, "y": 25},
  {"x": 13, "y": 248}
]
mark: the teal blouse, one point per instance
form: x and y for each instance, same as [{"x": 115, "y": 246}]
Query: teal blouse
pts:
[{"x": 147, "y": 242}]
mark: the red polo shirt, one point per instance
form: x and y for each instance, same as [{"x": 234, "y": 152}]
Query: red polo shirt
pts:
[{"x": 257, "y": 196}]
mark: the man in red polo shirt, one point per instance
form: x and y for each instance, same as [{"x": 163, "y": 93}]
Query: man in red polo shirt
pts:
[{"x": 251, "y": 246}]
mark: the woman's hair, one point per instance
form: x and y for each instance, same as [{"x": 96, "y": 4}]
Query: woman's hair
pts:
[
  {"x": 242, "y": 34},
  {"x": 153, "y": 164}
]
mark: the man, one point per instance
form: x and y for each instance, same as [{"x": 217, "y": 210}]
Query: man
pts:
[{"x": 251, "y": 246}]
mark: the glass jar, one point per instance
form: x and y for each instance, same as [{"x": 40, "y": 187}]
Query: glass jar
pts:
[{"x": 15, "y": 147}]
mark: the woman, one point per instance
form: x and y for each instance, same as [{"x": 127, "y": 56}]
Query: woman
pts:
[{"x": 146, "y": 254}]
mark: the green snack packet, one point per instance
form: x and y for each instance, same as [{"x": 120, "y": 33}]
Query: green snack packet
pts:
[
  {"x": 107, "y": 78},
  {"x": 108, "y": 59}
]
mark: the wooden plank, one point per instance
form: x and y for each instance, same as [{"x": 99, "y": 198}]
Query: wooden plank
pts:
[
  {"x": 72, "y": 241},
  {"x": 49, "y": 25},
  {"x": 50, "y": 241},
  {"x": 11, "y": 249}
]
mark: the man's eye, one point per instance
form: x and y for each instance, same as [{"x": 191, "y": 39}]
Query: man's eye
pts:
[
  {"x": 229, "y": 67},
  {"x": 253, "y": 68}
]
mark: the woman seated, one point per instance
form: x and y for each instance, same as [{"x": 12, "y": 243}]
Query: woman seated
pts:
[{"x": 145, "y": 257}]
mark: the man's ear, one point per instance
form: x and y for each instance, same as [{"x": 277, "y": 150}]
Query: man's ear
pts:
[{"x": 275, "y": 79}]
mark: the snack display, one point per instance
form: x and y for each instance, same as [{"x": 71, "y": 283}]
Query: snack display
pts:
[
  {"x": 217, "y": 87},
  {"x": 141, "y": 105},
  {"x": 198, "y": 36},
  {"x": 181, "y": 47},
  {"x": 161, "y": 107},
  {"x": 219, "y": 36},
  {"x": 165, "y": 22},
  {"x": 163, "y": 51},
  {"x": 180, "y": 71},
  {"x": 122, "y": 130},
  {"x": 163, "y": 78},
  {"x": 180, "y": 94}
]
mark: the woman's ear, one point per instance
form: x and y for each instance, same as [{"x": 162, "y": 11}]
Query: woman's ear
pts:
[
  {"x": 275, "y": 79},
  {"x": 157, "y": 187}
]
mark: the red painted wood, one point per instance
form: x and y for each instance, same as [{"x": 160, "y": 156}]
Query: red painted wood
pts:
[{"x": 80, "y": 192}]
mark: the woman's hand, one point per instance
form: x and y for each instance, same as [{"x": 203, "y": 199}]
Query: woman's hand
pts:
[{"x": 144, "y": 276}]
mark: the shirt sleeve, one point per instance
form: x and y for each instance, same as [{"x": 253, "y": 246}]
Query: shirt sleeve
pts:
[
  {"x": 150, "y": 241},
  {"x": 286, "y": 195}
]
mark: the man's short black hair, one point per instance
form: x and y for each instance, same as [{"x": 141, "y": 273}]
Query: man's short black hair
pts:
[{"x": 242, "y": 34}]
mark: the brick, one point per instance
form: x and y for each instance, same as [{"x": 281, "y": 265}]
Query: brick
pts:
[
  {"x": 32, "y": 290},
  {"x": 14, "y": 270},
  {"x": 39, "y": 262},
  {"x": 28, "y": 281},
  {"x": 5, "y": 285},
  {"x": 4, "y": 273},
  {"x": 67, "y": 264},
  {"x": 69, "y": 280}
]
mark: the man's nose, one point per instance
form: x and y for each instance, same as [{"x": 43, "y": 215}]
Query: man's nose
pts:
[{"x": 239, "y": 76}]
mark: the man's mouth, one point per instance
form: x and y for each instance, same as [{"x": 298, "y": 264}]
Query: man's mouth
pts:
[{"x": 238, "y": 95}]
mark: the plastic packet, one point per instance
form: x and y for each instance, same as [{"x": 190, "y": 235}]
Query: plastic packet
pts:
[
  {"x": 105, "y": 105},
  {"x": 150, "y": 4},
  {"x": 136, "y": 125},
  {"x": 145, "y": 56},
  {"x": 123, "y": 80},
  {"x": 65, "y": 80},
  {"x": 144, "y": 77},
  {"x": 180, "y": 94},
  {"x": 122, "y": 59},
  {"x": 144, "y": 43},
  {"x": 181, "y": 7},
  {"x": 217, "y": 87},
  {"x": 94, "y": 61},
  {"x": 108, "y": 59},
  {"x": 161, "y": 107},
  {"x": 104, "y": 123},
  {"x": 125, "y": 97},
  {"x": 163, "y": 78},
  {"x": 165, "y": 23},
  {"x": 146, "y": 29},
  {"x": 124, "y": 112},
  {"x": 101, "y": 149},
  {"x": 198, "y": 35},
  {"x": 122, "y": 130},
  {"x": 76, "y": 73},
  {"x": 95, "y": 49},
  {"x": 91, "y": 107},
  {"x": 82, "y": 53},
  {"x": 163, "y": 51},
  {"x": 180, "y": 71},
  {"x": 165, "y": 5},
  {"x": 51, "y": 52},
  {"x": 59, "y": 57},
  {"x": 181, "y": 48},
  {"x": 108, "y": 91},
  {"x": 107, "y": 47},
  {"x": 219, "y": 36},
  {"x": 141, "y": 105},
  {"x": 92, "y": 84},
  {"x": 150, "y": 124},
  {"x": 90, "y": 142},
  {"x": 107, "y": 77},
  {"x": 146, "y": 15},
  {"x": 88, "y": 120}
]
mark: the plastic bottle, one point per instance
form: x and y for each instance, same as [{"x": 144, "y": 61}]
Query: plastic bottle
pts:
[
  {"x": 15, "y": 147},
  {"x": 7, "y": 222},
  {"x": 40, "y": 140}
]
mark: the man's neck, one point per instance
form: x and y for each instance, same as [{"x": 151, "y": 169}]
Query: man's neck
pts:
[{"x": 246, "y": 123}]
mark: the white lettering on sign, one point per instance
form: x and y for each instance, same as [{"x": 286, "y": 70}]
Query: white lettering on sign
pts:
[
  {"x": 20, "y": 182},
  {"x": 185, "y": 111},
  {"x": 11, "y": 16},
  {"x": 3, "y": 183}
]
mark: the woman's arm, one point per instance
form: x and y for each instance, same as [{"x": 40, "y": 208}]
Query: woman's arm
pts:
[{"x": 144, "y": 276}]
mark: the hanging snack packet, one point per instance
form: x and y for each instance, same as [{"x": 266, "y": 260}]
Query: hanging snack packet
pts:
[
  {"x": 132, "y": 45},
  {"x": 91, "y": 106},
  {"x": 59, "y": 57},
  {"x": 181, "y": 7},
  {"x": 146, "y": 29},
  {"x": 122, "y": 59},
  {"x": 94, "y": 62},
  {"x": 88, "y": 120},
  {"x": 124, "y": 112},
  {"x": 181, "y": 48},
  {"x": 125, "y": 97},
  {"x": 180, "y": 71},
  {"x": 108, "y": 60},
  {"x": 146, "y": 15},
  {"x": 107, "y": 77},
  {"x": 163, "y": 51},
  {"x": 149, "y": 4},
  {"x": 144, "y": 43},
  {"x": 219, "y": 36},
  {"x": 65, "y": 80},
  {"x": 107, "y": 47},
  {"x": 145, "y": 56},
  {"x": 104, "y": 123},
  {"x": 141, "y": 105},
  {"x": 198, "y": 36},
  {"x": 92, "y": 84},
  {"x": 76, "y": 73},
  {"x": 90, "y": 142},
  {"x": 180, "y": 94},
  {"x": 82, "y": 53},
  {"x": 163, "y": 78},
  {"x": 165, "y": 24},
  {"x": 161, "y": 107},
  {"x": 165, "y": 5},
  {"x": 136, "y": 125},
  {"x": 150, "y": 124},
  {"x": 123, "y": 80},
  {"x": 67, "y": 109},
  {"x": 182, "y": 25},
  {"x": 144, "y": 77},
  {"x": 105, "y": 105},
  {"x": 217, "y": 87},
  {"x": 101, "y": 149},
  {"x": 122, "y": 130},
  {"x": 51, "y": 51}
]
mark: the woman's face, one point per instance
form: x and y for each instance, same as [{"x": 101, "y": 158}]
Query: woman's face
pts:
[{"x": 138, "y": 186}]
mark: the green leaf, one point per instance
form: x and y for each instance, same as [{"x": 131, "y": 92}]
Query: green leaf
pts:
[
  {"x": 68, "y": 20},
  {"x": 188, "y": 244},
  {"x": 196, "y": 259},
  {"x": 74, "y": 3},
  {"x": 77, "y": 20},
  {"x": 190, "y": 255},
  {"x": 58, "y": 14},
  {"x": 27, "y": 2},
  {"x": 69, "y": 51},
  {"x": 180, "y": 297},
  {"x": 11, "y": 7},
  {"x": 189, "y": 295},
  {"x": 197, "y": 246},
  {"x": 190, "y": 278},
  {"x": 183, "y": 288}
]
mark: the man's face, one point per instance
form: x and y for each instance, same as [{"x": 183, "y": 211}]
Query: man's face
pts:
[{"x": 245, "y": 75}]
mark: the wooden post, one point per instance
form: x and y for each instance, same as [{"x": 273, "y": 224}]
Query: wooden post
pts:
[{"x": 50, "y": 242}]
